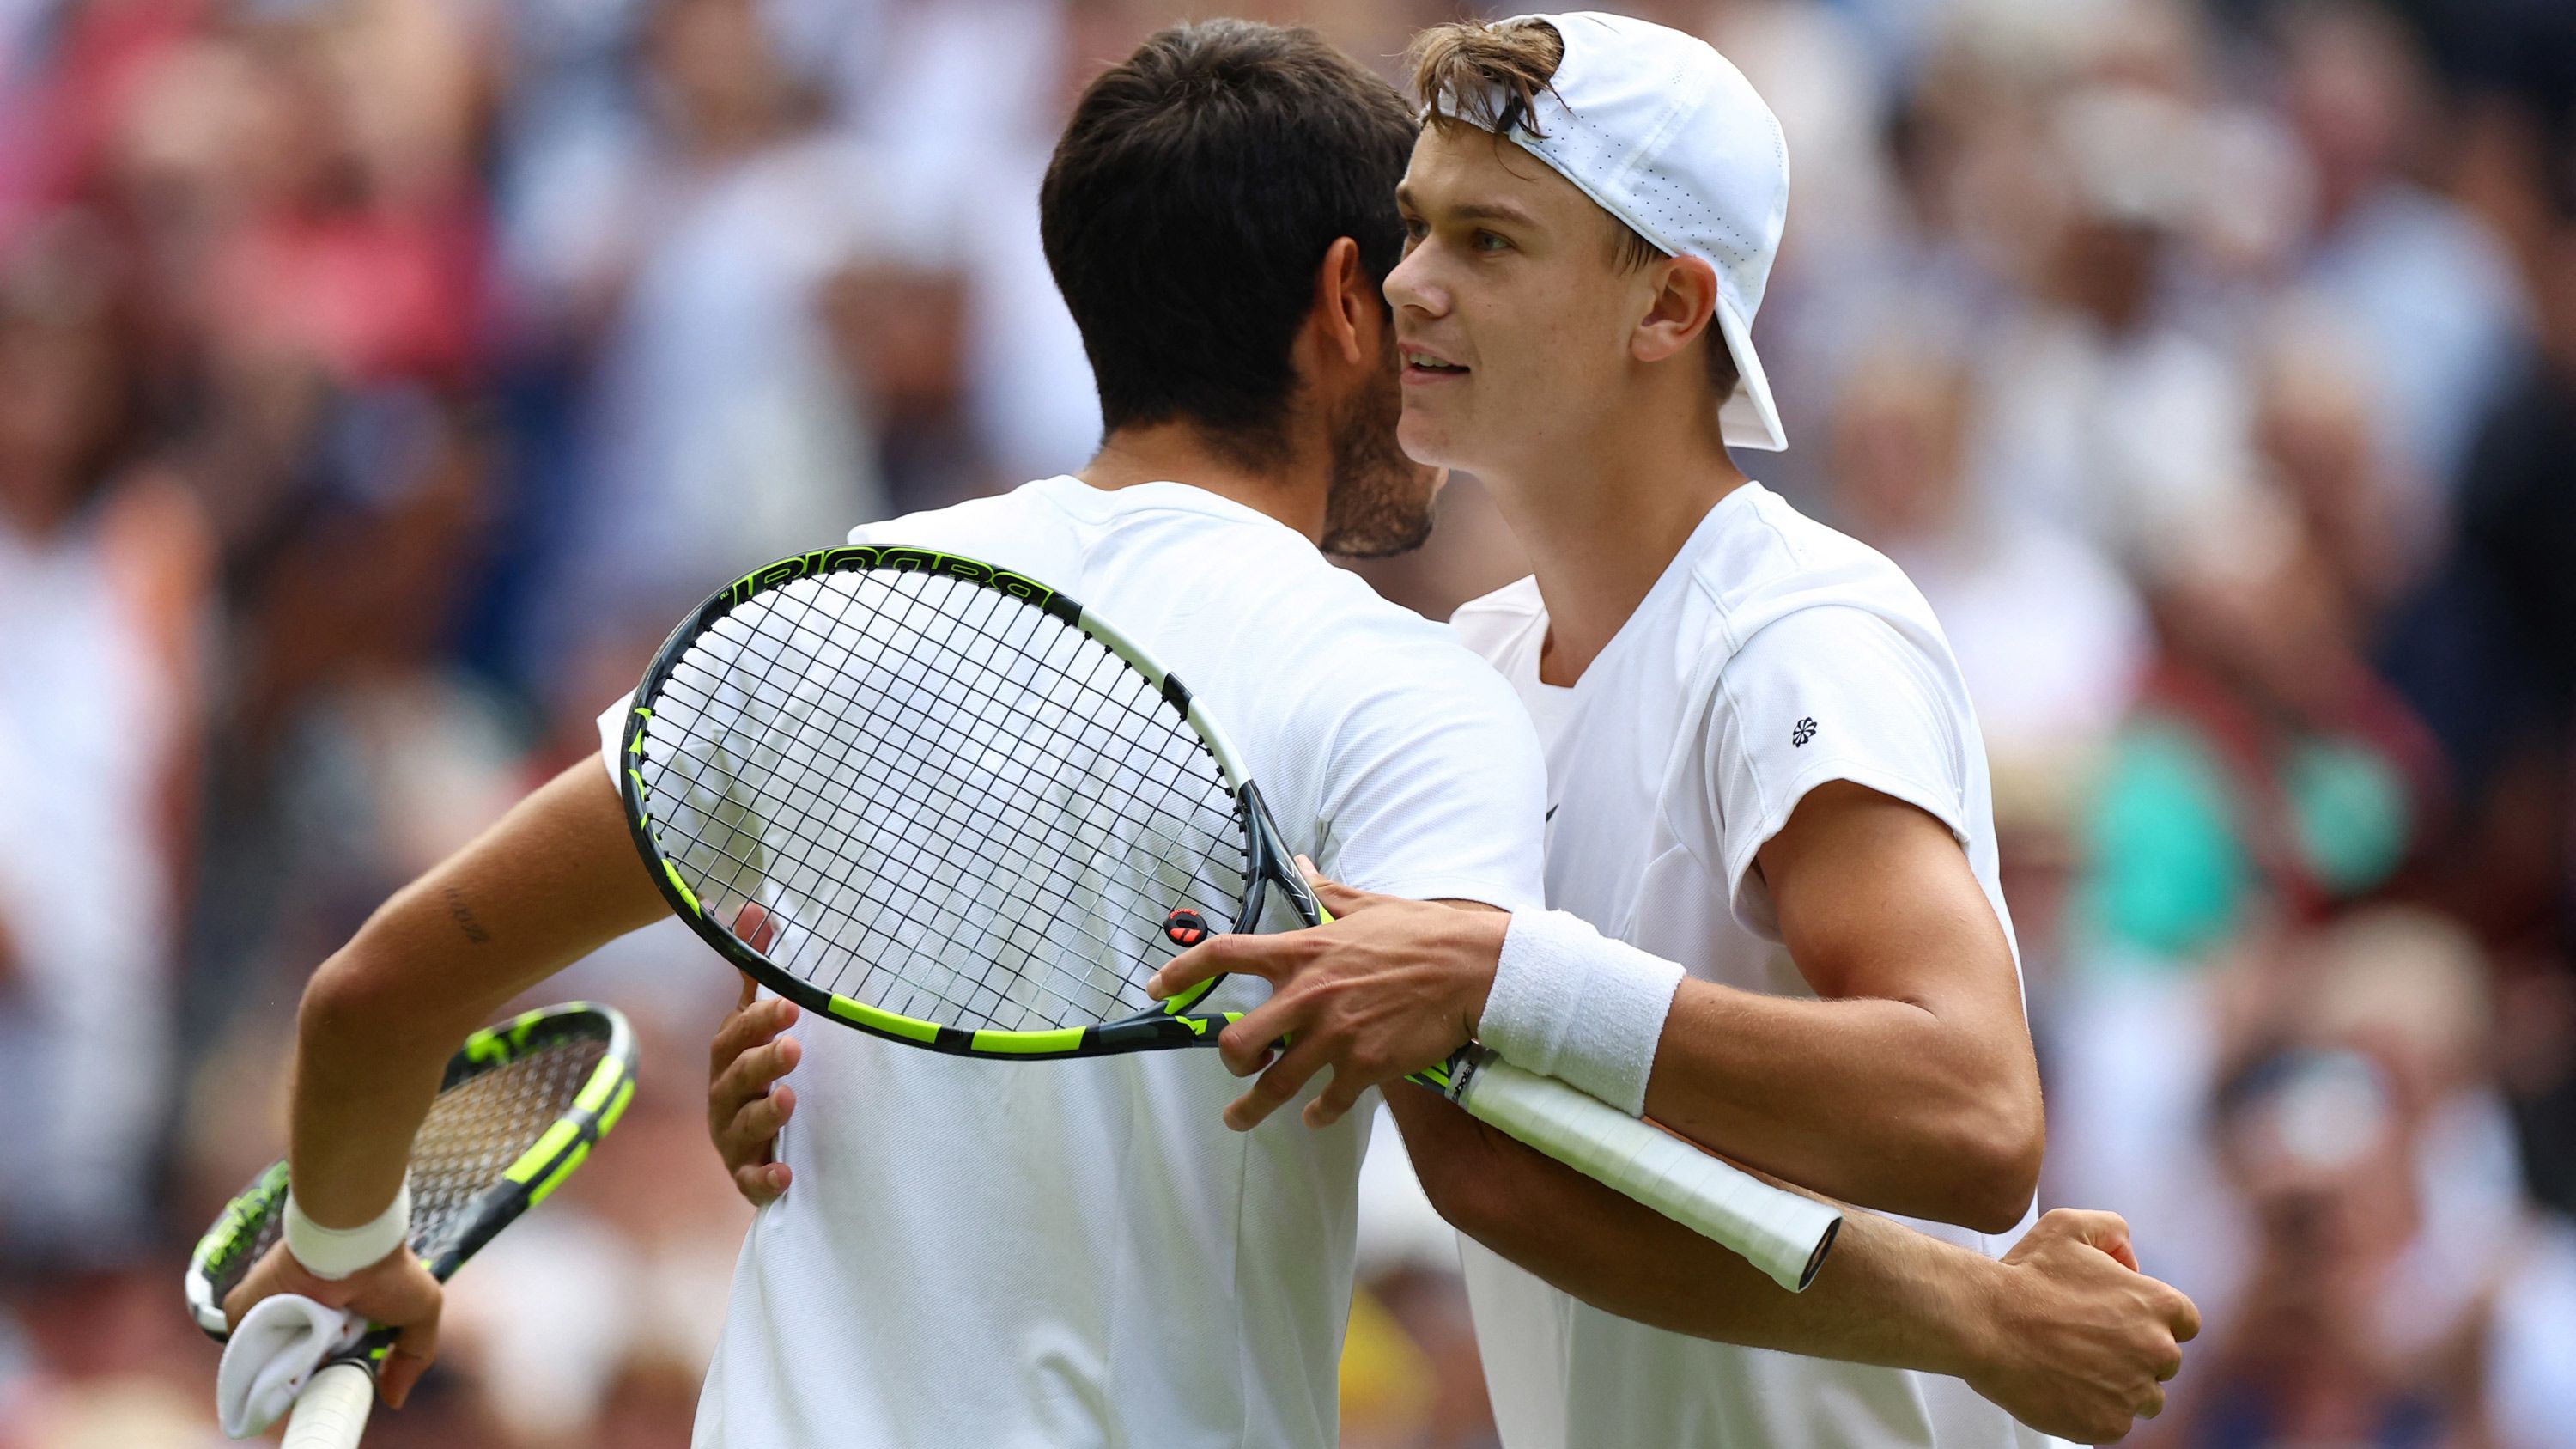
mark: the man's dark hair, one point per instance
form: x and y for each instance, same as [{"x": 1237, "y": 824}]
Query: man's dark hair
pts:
[{"x": 1189, "y": 203}]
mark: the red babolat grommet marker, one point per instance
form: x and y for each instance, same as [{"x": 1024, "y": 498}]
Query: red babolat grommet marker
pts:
[{"x": 1185, "y": 927}]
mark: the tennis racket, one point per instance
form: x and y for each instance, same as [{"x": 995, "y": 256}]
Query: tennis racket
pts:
[
  {"x": 942, "y": 803},
  {"x": 519, "y": 1109}
]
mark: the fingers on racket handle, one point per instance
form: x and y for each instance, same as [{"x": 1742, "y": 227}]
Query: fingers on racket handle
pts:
[
  {"x": 331, "y": 1413},
  {"x": 1781, "y": 1233}
]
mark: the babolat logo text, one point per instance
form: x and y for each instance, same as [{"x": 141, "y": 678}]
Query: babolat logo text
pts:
[
  {"x": 891, "y": 559},
  {"x": 821, "y": 561}
]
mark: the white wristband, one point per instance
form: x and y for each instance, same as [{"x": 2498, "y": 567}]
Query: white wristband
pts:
[
  {"x": 338, "y": 1252},
  {"x": 1573, "y": 1004}
]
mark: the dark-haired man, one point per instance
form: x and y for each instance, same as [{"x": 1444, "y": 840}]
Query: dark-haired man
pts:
[
  {"x": 1074, "y": 1252},
  {"x": 1080, "y": 1252}
]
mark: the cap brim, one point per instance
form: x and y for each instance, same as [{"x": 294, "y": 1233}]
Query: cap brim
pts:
[{"x": 1748, "y": 418}]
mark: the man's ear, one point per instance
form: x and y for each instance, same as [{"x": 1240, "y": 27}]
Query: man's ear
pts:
[
  {"x": 1346, "y": 305},
  {"x": 1684, "y": 306}
]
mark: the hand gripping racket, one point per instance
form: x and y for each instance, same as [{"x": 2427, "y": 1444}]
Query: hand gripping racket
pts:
[
  {"x": 520, "y": 1107},
  {"x": 940, "y": 802}
]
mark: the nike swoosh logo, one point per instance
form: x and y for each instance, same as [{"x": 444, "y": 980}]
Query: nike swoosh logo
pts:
[{"x": 1551, "y": 811}]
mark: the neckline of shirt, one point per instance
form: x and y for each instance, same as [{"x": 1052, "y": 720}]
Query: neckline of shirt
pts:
[{"x": 1684, "y": 562}]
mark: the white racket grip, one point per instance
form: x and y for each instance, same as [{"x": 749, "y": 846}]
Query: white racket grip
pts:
[
  {"x": 331, "y": 1413},
  {"x": 1781, "y": 1233}
]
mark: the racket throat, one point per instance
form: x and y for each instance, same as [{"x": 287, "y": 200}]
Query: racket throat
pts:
[
  {"x": 1454, "y": 1077},
  {"x": 1268, "y": 864}
]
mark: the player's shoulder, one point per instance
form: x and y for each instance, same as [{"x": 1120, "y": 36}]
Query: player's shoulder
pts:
[
  {"x": 1345, "y": 620},
  {"x": 1766, "y": 562},
  {"x": 1003, "y": 527},
  {"x": 1317, "y": 642}
]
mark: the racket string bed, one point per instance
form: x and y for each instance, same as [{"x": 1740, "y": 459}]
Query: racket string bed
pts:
[
  {"x": 890, "y": 692},
  {"x": 907, "y": 854},
  {"x": 926, "y": 771},
  {"x": 921, "y": 877},
  {"x": 1083, "y": 713},
  {"x": 922, "y": 770},
  {"x": 480, "y": 1126},
  {"x": 914, "y": 870}
]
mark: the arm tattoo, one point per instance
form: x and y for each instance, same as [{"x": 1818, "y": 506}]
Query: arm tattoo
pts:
[{"x": 464, "y": 918}]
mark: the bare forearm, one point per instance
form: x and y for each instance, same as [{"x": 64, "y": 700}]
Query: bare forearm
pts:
[
  {"x": 551, "y": 882},
  {"x": 1886, "y": 1296},
  {"x": 1876, "y": 1102}
]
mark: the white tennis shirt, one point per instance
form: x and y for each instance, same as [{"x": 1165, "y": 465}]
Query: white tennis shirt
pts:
[
  {"x": 1078, "y": 1253},
  {"x": 1772, "y": 656}
]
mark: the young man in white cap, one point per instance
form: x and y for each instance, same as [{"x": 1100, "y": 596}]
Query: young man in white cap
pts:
[{"x": 1756, "y": 739}]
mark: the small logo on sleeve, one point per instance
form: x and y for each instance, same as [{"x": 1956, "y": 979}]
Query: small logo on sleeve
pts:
[{"x": 1802, "y": 732}]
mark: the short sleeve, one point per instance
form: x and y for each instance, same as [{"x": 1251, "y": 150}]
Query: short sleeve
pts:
[
  {"x": 1822, "y": 694},
  {"x": 1433, "y": 787},
  {"x": 612, "y": 732},
  {"x": 711, "y": 820}
]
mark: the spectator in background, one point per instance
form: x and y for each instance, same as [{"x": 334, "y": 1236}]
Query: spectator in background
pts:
[
  {"x": 2430, "y": 292},
  {"x": 103, "y": 587},
  {"x": 963, "y": 99},
  {"x": 2489, "y": 652},
  {"x": 900, "y": 333},
  {"x": 2267, "y": 305},
  {"x": 358, "y": 244},
  {"x": 2266, "y": 768},
  {"x": 2051, "y": 683},
  {"x": 2107, "y": 417},
  {"x": 719, "y": 429},
  {"x": 2324, "y": 451},
  {"x": 1910, "y": 179},
  {"x": 2397, "y": 1288}
]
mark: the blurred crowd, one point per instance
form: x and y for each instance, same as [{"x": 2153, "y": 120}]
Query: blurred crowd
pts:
[{"x": 379, "y": 378}]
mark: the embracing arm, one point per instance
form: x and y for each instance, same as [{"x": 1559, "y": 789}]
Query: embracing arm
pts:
[
  {"x": 1836, "y": 754},
  {"x": 1910, "y": 1088},
  {"x": 555, "y": 879},
  {"x": 2064, "y": 1333},
  {"x": 1909, "y": 1085}
]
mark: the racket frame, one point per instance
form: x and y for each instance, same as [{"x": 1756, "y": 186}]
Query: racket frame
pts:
[{"x": 1173, "y": 1024}]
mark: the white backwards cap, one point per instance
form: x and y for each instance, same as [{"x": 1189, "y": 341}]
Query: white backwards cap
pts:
[{"x": 1671, "y": 139}]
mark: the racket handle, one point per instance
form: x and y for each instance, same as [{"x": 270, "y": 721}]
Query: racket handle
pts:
[
  {"x": 1778, "y": 1231},
  {"x": 332, "y": 1411}
]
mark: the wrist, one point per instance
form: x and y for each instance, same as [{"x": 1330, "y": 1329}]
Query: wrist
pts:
[
  {"x": 1481, "y": 938},
  {"x": 1568, "y": 1002},
  {"x": 336, "y": 1253},
  {"x": 1976, "y": 1333}
]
